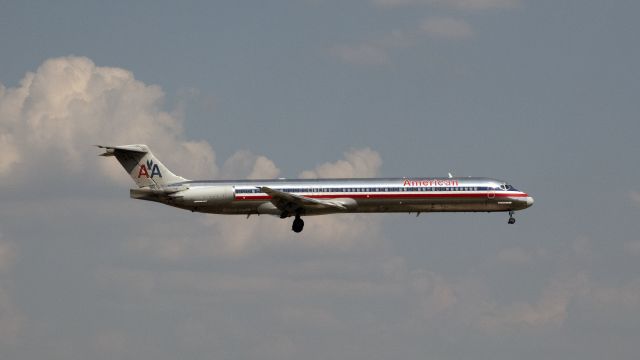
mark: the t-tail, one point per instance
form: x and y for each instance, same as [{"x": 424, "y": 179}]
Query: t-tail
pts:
[{"x": 143, "y": 167}]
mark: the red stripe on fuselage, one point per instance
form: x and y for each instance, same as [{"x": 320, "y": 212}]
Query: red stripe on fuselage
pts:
[{"x": 390, "y": 196}]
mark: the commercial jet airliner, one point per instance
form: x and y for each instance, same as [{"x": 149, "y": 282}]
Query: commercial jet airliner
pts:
[{"x": 304, "y": 197}]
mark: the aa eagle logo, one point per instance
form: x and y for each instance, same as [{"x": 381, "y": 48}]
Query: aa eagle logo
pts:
[{"x": 149, "y": 166}]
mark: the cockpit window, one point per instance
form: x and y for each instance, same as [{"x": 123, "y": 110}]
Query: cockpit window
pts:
[{"x": 507, "y": 187}]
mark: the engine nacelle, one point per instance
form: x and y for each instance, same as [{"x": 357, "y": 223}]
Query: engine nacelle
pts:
[{"x": 205, "y": 196}]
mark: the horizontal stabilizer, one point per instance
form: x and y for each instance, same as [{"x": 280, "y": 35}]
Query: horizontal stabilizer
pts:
[
  {"x": 110, "y": 150},
  {"x": 148, "y": 193}
]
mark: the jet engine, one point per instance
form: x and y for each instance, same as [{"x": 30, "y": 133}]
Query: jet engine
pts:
[{"x": 205, "y": 196}]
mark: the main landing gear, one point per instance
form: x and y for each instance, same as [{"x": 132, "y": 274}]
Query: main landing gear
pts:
[
  {"x": 298, "y": 224},
  {"x": 512, "y": 220}
]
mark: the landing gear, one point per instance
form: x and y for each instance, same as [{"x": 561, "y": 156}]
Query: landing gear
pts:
[
  {"x": 298, "y": 224},
  {"x": 512, "y": 220}
]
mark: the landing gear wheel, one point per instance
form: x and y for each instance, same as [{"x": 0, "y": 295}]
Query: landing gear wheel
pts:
[
  {"x": 298, "y": 224},
  {"x": 512, "y": 220}
]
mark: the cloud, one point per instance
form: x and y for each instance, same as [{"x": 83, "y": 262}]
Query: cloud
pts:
[
  {"x": 244, "y": 164},
  {"x": 550, "y": 309},
  {"x": 446, "y": 28},
  {"x": 378, "y": 51},
  {"x": 356, "y": 163},
  {"x": 69, "y": 103},
  {"x": 9, "y": 155}
]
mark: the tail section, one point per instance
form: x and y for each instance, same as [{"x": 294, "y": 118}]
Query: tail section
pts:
[{"x": 143, "y": 167}]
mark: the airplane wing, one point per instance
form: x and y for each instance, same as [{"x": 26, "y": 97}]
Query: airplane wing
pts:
[{"x": 291, "y": 203}]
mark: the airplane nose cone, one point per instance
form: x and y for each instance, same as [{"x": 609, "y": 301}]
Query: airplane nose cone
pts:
[{"x": 529, "y": 201}]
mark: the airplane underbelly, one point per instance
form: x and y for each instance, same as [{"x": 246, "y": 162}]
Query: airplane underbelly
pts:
[{"x": 432, "y": 204}]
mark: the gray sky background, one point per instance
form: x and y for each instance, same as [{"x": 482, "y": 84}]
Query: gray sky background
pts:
[{"x": 541, "y": 93}]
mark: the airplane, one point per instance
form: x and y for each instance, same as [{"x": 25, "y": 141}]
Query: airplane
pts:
[{"x": 305, "y": 197}]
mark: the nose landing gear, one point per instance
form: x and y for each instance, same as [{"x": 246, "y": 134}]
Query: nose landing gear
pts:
[
  {"x": 298, "y": 224},
  {"x": 512, "y": 220}
]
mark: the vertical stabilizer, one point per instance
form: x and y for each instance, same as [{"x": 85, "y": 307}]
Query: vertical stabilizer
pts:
[{"x": 143, "y": 167}]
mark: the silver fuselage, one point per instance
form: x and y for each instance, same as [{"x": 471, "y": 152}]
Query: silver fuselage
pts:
[{"x": 355, "y": 195}]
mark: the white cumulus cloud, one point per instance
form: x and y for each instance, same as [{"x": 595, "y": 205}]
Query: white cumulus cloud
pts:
[
  {"x": 245, "y": 164},
  {"x": 69, "y": 103},
  {"x": 356, "y": 163}
]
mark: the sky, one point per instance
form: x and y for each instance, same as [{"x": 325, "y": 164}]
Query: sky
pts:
[{"x": 543, "y": 94}]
